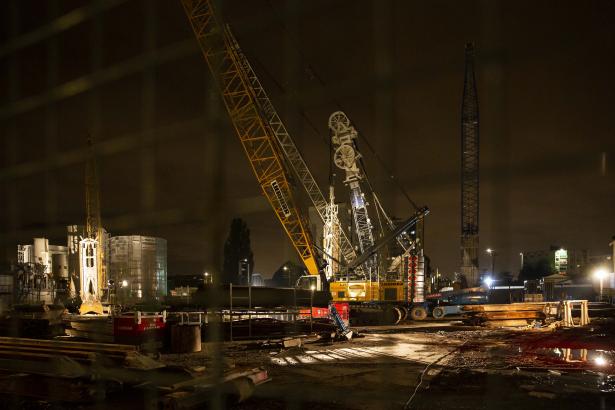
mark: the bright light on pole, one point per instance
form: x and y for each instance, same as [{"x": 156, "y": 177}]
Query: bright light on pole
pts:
[
  {"x": 488, "y": 281},
  {"x": 124, "y": 283},
  {"x": 492, "y": 253},
  {"x": 600, "y": 360},
  {"x": 600, "y": 274}
]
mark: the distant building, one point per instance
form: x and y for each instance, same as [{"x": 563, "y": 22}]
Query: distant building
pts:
[
  {"x": 42, "y": 271},
  {"x": 257, "y": 279},
  {"x": 53, "y": 258},
  {"x": 562, "y": 261},
  {"x": 138, "y": 267}
]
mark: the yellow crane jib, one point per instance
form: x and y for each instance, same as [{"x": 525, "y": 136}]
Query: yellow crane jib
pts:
[{"x": 254, "y": 132}]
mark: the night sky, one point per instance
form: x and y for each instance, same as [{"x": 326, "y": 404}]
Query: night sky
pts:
[{"x": 546, "y": 96}]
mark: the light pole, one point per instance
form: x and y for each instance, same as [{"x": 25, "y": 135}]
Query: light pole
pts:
[
  {"x": 285, "y": 269},
  {"x": 600, "y": 273},
  {"x": 312, "y": 289},
  {"x": 244, "y": 262},
  {"x": 124, "y": 290},
  {"x": 206, "y": 278},
  {"x": 492, "y": 253},
  {"x": 521, "y": 254}
]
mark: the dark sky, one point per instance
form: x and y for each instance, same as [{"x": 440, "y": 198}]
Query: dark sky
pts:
[{"x": 546, "y": 95}]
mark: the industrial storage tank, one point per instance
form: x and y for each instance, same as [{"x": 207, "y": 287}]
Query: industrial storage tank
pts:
[
  {"x": 138, "y": 268},
  {"x": 59, "y": 265}
]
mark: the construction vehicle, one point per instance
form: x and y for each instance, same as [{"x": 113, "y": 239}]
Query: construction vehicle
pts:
[{"x": 272, "y": 155}]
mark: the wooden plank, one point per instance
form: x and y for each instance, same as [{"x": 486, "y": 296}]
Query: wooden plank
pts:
[
  {"x": 510, "y": 315},
  {"x": 512, "y": 307},
  {"x": 86, "y": 346}
]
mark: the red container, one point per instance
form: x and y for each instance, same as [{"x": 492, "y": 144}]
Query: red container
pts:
[
  {"x": 138, "y": 328},
  {"x": 343, "y": 309}
]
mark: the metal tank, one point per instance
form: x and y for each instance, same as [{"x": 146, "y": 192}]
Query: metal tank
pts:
[
  {"x": 41, "y": 253},
  {"x": 59, "y": 265},
  {"x": 138, "y": 268}
]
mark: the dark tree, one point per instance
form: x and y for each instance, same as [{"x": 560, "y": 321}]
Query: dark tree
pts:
[
  {"x": 236, "y": 248},
  {"x": 537, "y": 270},
  {"x": 461, "y": 279},
  {"x": 286, "y": 276},
  {"x": 504, "y": 278}
]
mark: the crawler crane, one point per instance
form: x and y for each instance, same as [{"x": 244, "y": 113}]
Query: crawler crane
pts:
[{"x": 271, "y": 153}]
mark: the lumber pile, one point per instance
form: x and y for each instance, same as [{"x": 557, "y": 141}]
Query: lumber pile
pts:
[
  {"x": 95, "y": 328},
  {"x": 513, "y": 314},
  {"x": 33, "y": 320},
  {"x": 77, "y": 372}
]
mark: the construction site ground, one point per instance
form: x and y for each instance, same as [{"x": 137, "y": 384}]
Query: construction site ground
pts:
[{"x": 433, "y": 365}]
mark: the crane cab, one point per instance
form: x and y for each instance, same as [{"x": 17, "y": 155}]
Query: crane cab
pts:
[{"x": 309, "y": 282}]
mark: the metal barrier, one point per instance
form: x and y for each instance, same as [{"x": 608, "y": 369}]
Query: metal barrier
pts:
[{"x": 566, "y": 307}]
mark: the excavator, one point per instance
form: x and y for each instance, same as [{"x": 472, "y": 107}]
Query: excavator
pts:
[{"x": 352, "y": 275}]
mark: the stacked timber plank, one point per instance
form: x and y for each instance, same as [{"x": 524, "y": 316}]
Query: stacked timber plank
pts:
[
  {"x": 95, "y": 328},
  {"x": 33, "y": 320},
  {"x": 78, "y": 372},
  {"x": 513, "y": 314}
]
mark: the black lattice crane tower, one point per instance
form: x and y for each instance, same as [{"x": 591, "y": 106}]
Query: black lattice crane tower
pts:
[{"x": 469, "y": 172}]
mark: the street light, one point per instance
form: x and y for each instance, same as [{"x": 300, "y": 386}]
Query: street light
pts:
[
  {"x": 124, "y": 291},
  {"x": 312, "y": 289},
  {"x": 492, "y": 253},
  {"x": 600, "y": 274},
  {"x": 488, "y": 281},
  {"x": 240, "y": 270},
  {"x": 285, "y": 269}
]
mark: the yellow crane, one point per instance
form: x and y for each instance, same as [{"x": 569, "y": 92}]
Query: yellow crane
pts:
[
  {"x": 256, "y": 136},
  {"x": 91, "y": 247},
  {"x": 270, "y": 151}
]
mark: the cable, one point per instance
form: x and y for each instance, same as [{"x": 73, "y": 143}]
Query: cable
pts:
[
  {"x": 314, "y": 74},
  {"x": 416, "y": 389}
]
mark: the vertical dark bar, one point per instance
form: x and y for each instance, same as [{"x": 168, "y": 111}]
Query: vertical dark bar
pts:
[
  {"x": 498, "y": 146},
  {"x": 148, "y": 111},
  {"x": 215, "y": 134},
  {"x": 96, "y": 55},
  {"x": 384, "y": 95},
  {"x": 51, "y": 126},
  {"x": 11, "y": 133}
]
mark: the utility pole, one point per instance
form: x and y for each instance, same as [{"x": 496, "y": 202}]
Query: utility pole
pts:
[
  {"x": 469, "y": 172},
  {"x": 492, "y": 253}
]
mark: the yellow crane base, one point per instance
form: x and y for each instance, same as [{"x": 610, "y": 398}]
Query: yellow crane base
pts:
[{"x": 91, "y": 308}]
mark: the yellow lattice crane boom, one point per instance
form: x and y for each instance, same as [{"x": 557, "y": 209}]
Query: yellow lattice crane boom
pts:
[
  {"x": 255, "y": 134},
  {"x": 91, "y": 275}
]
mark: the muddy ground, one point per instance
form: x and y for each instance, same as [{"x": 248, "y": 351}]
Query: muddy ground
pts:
[
  {"x": 435, "y": 365},
  {"x": 425, "y": 365}
]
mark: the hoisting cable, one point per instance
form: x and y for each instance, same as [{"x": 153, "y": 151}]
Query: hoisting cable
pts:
[{"x": 314, "y": 74}]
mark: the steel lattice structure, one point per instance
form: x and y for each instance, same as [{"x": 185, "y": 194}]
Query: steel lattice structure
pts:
[
  {"x": 346, "y": 157},
  {"x": 255, "y": 134},
  {"x": 292, "y": 155},
  {"x": 469, "y": 172}
]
